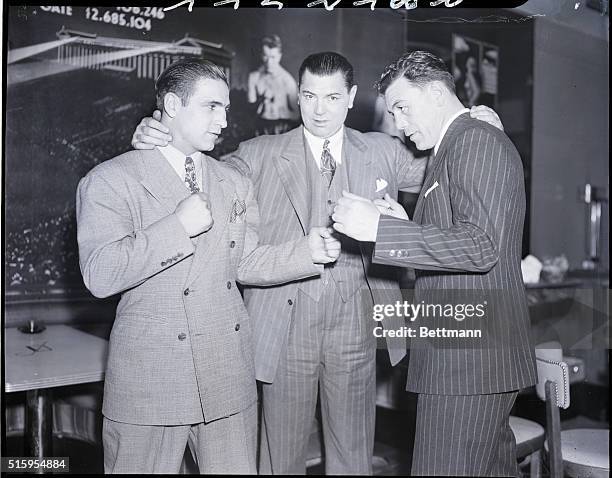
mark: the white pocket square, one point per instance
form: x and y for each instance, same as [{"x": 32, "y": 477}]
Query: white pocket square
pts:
[
  {"x": 433, "y": 186},
  {"x": 381, "y": 184}
]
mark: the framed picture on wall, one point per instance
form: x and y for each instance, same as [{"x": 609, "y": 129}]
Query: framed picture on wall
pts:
[{"x": 475, "y": 67}]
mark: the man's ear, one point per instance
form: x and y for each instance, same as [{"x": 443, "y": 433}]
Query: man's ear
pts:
[
  {"x": 172, "y": 103},
  {"x": 437, "y": 92},
  {"x": 352, "y": 93}
]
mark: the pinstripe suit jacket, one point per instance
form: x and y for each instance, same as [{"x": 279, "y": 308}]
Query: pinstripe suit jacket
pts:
[
  {"x": 276, "y": 166},
  {"x": 180, "y": 348},
  {"x": 466, "y": 235}
]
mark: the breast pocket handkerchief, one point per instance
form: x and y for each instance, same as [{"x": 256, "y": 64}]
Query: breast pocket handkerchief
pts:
[
  {"x": 381, "y": 185},
  {"x": 238, "y": 211},
  {"x": 433, "y": 186}
]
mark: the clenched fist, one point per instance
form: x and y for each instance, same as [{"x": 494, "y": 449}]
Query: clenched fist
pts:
[
  {"x": 194, "y": 214},
  {"x": 324, "y": 247}
]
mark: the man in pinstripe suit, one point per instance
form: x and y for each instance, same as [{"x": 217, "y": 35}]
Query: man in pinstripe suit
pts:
[
  {"x": 316, "y": 334},
  {"x": 465, "y": 236}
]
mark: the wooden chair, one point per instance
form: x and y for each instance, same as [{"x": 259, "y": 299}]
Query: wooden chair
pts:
[{"x": 576, "y": 453}]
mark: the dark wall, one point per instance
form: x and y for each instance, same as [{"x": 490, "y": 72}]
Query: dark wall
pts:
[{"x": 571, "y": 138}]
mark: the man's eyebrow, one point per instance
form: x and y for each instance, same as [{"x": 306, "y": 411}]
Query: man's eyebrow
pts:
[{"x": 210, "y": 101}]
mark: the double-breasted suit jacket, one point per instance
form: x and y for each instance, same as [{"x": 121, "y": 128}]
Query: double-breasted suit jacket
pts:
[{"x": 181, "y": 344}]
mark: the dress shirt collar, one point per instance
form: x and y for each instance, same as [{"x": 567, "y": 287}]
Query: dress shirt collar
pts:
[
  {"x": 447, "y": 125},
  {"x": 177, "y": 160},
  {"x": 335, "y": 145}
]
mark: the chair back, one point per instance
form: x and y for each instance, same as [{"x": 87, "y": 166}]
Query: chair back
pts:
[
  {"x": 553, "y": 388},
  {"x": 551, "y": 368}
]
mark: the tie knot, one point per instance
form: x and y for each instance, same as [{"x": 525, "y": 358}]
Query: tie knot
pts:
[
  {"x": 189, "y": 163},
  {"x": 326, "y": 145}
]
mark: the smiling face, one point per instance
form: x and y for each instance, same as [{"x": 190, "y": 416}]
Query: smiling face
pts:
[
  {"x": 324, "y": 102},
  {"x": 197, "y": 125},
  {"x": 416, "y": 111}
]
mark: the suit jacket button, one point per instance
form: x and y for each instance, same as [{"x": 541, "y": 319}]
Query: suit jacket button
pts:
[
  {"x": 233, "y": 244},
  {"x": 182, "y": 336},
  {"x": 186, "y": 292},
  {"x": 229, "y": 285},
  {"x": 290, "y": 302},
  {"x": 237, "y": 328}
]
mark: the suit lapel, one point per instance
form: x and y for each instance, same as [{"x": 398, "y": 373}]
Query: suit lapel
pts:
[
  {"x": 162, "y": 182},
  {"x": 430, "y": 179},
  {"x": 290, "y": 167},
  {"x": 221, "y": 195},
  {"x": 361, "y": 174},
  {"x": 434, "y": 163}
]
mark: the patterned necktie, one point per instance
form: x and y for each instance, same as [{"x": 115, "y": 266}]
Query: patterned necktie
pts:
[
  {"x": 190, "y": 175},
  {"x": 328, "y": 164}
]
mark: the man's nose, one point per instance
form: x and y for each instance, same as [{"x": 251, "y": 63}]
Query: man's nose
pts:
[
  {"x": 319, "y": 107},
  {"x": 222, "y": 119}
]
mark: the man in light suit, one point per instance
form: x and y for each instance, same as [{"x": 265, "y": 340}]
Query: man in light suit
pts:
[
  {"x": 172, "y": 230},
  {"x": 317, "y": 334},
  {"x": 464, "y": 238}
]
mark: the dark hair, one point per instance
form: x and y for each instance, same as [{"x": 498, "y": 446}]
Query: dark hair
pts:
[
  {"x": 327, "y": 63},
  {"x": 180, "y": 77},
  {"x": 418, "y": 67},
  {"x": 272, "y": 41}
]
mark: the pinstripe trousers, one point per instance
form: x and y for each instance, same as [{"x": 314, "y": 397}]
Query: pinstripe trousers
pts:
[
  {"x": 464, "y": 435},
  {"x": 330, "y": 348}
]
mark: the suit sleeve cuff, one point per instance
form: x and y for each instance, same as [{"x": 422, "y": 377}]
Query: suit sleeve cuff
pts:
[{"x": 391, "y": 242}]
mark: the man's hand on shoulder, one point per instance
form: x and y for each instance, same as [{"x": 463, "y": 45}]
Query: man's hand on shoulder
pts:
[
  {"x": 194, "y": 214},
  {"x": 486, "y": 114},
  {"x": 150, "y": 132}
]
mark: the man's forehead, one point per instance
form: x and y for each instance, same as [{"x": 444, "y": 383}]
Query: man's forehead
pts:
[
  {"x": 400, "y": 90},
  {"x": 334, "y": 83},
  {"x": 211, "y": 90}
]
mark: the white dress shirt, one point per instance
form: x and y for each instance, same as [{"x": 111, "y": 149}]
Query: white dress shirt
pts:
[
  {"x": 447, "y": 125},
  {"x": 335, "y": 145},
  {"x": 177, "y": 161}
]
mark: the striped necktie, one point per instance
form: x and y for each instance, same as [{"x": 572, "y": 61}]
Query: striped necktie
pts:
[
  {"x": 190, "y": 175},
  {"x": 328, "y": 164}
]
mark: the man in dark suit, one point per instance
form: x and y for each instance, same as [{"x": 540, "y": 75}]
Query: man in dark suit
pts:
[
  {"x": 464, "y": 239},
  {"x": 316, "y": 334}
]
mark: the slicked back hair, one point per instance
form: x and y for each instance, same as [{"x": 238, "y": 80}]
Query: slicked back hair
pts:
[
  {"x": 328, "y": 63},
  {"x": 418, "y": 67},
  {"x": 181, "y": 76}
]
